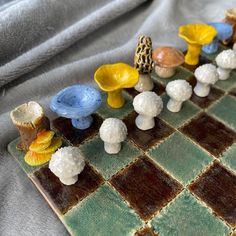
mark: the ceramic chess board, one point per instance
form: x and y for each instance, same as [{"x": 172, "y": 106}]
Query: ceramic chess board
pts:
[{"x": 176, "y": 179}]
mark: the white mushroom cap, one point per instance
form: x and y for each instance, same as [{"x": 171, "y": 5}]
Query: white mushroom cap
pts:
[
  {"x": 67, "y": 162},
  {"x": 207, "y": 74},
  {"x": 226, "y": 59},
  {"x": 234, "y": 47},
  {"x": 179, "y": 90},
  {"x": 148, "y": 103},
  {"x": 113, "y": 130}
]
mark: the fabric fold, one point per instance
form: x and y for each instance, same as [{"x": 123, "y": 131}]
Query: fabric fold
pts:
[{"x": 64, "y": 39}]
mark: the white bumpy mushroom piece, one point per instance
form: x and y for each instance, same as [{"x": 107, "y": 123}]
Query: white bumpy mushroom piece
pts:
[
  {"x": 234, "y": 47},
  {"x": 148, "y": 105},
  {"x": 113, "y": 131},
  {"x": 206, "y": 75},
  {"x": 178, "y": 91},
  {"x": 226, "y": 61},
  {"x": 66, "y": 163}
]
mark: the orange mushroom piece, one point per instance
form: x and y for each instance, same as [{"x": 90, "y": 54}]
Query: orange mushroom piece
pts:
[
  {"x": 112, "y": 78},
  {"x": 196, "y": 35},
  {"x": 166, "y": 59}
]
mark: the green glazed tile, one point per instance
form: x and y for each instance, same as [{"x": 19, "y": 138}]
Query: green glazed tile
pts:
[
  {"x": 186, "y": 217},
  {"x": 106, "y": 163},
  {"x": 177, "y": 119},
  {"x": 212, "y": 56},
  {"x": 181, "y": 73},
  {"x": 103, "y": 213},
  {"x": 229, "y": 157},
  {"x": 225, "y": 110},
  {"x": 19, "y": 156},
  {"x": 180, "y": 157},
  {"x": 106, "y": 111},
  {"x": 228, "y": 84}
]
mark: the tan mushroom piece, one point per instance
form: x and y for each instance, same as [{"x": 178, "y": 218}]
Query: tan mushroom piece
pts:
[{"x": 166, "y": 59}]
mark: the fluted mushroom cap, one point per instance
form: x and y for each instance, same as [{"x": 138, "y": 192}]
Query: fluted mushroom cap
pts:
[
  {"x": 226, "y": 59},
  {"x": 207, "y": 74},
  {"x": 113, "y": 130},
  {"x": 179, "y": 90},
  {"x": 148, "y": 103}
]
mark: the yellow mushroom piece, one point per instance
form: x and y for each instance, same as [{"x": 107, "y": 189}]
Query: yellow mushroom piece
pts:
[
  {"x": 196, "y": 35},
  {"x": 112, "y": 78}
]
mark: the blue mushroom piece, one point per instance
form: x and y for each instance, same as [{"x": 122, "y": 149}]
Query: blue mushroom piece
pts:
[
  {"x": 77, "y": 102},
  {"x": 224, "y": 31}
]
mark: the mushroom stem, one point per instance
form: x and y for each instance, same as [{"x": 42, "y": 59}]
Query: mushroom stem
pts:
[
  {"x": 212, "y": 47},
  {"x": 115, "y": 99},
  {"x": 173, "y": 105},
  {"x": 69, "y": 180},
  {"x": 112, "y": 148},
  {"x": 82, "y": 122},
  {"x": 145, "y": 83},
  {"x": 164, "y": 72},
  {"x": 202, "y": 89},
  {"x": 223, "y": 73},
  {"x": 192, "y": 56},
  {"x": 144, "y": 122}
]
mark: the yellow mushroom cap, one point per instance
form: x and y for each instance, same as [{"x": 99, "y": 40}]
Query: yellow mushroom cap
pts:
[{"x": 200, "y": 34}]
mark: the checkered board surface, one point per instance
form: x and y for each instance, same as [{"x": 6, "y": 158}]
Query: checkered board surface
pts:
[{"x": 177, "y": 179}]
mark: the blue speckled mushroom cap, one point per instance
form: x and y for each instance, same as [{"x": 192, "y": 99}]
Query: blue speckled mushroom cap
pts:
[
  {"x": 76, "y": 101},
  {"x": 224, "y": 30}
]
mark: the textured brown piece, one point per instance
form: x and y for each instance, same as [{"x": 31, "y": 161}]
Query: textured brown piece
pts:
[
  {"x": 207, "y": 101},
  {"x": 212, "y": 135},
  {"x": 168, "y": 57},
  {"x": 28, "y": 134},
  {"x": 146, "y": 187},
  {"x": 145, "y": 232},
  {"x": 76, "y": 136},
  {"x": 233, "y": 92},
  {"x": 217, "y": 187},
  {"x": 158, "y": 89},
  {"x": 202, "y": 60},
  {"x": 62, "y": 197},
  {"x": 146, "y": 139},
  {"x": 230, "y": 17}
]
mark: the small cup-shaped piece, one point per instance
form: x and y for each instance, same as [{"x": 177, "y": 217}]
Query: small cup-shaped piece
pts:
[
  {"x": 112, "y": 78},
  {"x": 29, "y": 119},
  {"x": 113, "y": 131},
  {"x": 179, "y": 91},
  {"x": 196, "y": 35},
  {"x": 144, "y": 64},
  {"x": 226, "y": 62},
  {"x": 66, "y": 163},
  {"x": 148, "y": 105},
  {"x": 206, "y": 75},
  {"x": 224, "y": 32},
  {"x": 166, "y": 59}
]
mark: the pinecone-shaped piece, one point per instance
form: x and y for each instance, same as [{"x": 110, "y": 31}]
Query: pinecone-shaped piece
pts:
[{"x": 143, "y": 55}]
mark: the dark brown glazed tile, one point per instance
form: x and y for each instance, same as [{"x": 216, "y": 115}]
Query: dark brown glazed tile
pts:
[
  {"x": 158, "y": 89},
  {"x": 75, "y": 136},
  {"x": 217, "y": 187},
  {"x": 62, "y": 197},
  {"x": 146, "y": 187},
  {"x": 148, "y": 138},
  {"x": 233, "y": 92},
  {"x": 202, "y": 60},
  {"x": 210, "y": 134},
  {"x": 145, "y": 232},
  {"x": 205, "y": 102}
]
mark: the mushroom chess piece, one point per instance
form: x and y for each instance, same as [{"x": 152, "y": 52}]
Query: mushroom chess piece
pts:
[
  {"x": 206, "y": 76},
  {"x": 234, "y": 47},
  {"x": 113, "y": 131},
  {"x": 66, "y": 163},
  {"x": 144, "y": 64},
  {"x": 179, "y": 91},
  {"x": 166, "y": 59},
  {"x": 226, "y": 62},
  {"x": 148, "y": 105}
]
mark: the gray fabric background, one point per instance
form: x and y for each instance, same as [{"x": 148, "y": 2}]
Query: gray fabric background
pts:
[{"x": 46, "y": 45}]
